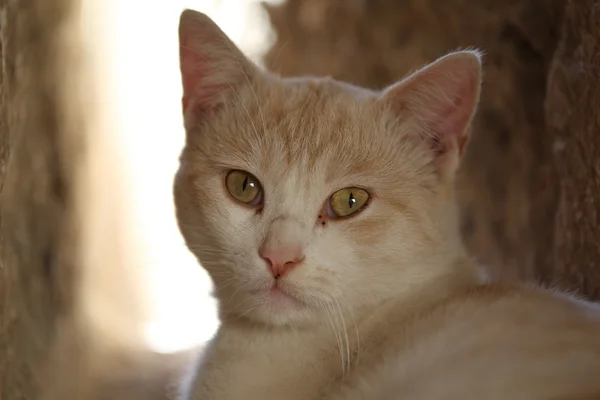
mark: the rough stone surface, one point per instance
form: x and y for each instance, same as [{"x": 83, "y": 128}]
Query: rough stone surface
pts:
[
  {"x": 573, "y": 118},
  {"x": 36, "y": 273}
]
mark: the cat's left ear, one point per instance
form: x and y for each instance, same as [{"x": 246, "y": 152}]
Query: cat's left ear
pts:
[
  {"x": 441, "y": 100},
  {"x": 212, "y": 66}
]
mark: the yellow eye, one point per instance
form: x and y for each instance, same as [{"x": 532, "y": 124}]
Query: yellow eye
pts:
[
  {"x": 347, "y": 201},
  {"x": 244, "y": 187}
]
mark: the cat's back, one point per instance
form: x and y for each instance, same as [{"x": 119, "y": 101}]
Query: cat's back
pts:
[{"x": 490, "y": 342}]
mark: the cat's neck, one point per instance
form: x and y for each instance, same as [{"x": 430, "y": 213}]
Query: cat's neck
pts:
[
  {"x": 458, "y": 275},
  {"x": 440, "y": 283}
]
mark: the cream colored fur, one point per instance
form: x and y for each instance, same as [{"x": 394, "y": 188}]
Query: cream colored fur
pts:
[{"x": 387, "y": 304}]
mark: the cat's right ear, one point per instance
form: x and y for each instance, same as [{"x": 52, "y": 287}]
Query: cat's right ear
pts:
[
  {"x": 211, "y": 64},
  {"x": 441, "y": 98}
]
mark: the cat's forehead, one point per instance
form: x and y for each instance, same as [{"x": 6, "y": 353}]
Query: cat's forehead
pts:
[
  {"x": 310, "y": 112},
  {"x": 322, "y": 125},
  {"x": 310, "y": 126}
]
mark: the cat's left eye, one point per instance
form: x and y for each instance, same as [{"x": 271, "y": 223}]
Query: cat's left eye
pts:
[
  {"x": 346, "y": 202},
  {"x": 244, "y": 187}
]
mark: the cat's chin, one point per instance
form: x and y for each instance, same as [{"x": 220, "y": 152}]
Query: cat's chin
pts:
[
  {"x": 284, "y": 318},
  {"x": 280, "y": 307},
  {"x": 274, "y": 307}
]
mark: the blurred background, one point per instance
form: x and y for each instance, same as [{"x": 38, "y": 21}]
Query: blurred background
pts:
[{"x": 528, "y": 187}]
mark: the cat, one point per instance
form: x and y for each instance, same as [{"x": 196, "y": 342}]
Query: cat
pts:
[{"x": 325, "y": 214}]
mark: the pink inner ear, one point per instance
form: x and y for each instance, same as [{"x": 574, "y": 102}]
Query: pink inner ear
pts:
[
  {"x": 444, "y": 97},
  {"x": 201, "y": 61},
  {"x": 441, "y": 98},
  {"x": 450, "y": 125},
  {"x": 195, "y": 72}
]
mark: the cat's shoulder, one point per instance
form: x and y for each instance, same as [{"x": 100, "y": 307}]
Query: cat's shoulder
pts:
[
  {"x": 519, "y": 306},
  {"x": 516, "y": 297},
  {"x": 519, "y": 339}
]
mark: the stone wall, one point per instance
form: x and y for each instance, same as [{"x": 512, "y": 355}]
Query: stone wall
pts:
[
  {"x": 37, "y": 143},
  {"x": 573, "y": 120}
]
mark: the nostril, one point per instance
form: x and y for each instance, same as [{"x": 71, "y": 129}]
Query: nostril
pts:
[
  {"x": 293, "y": 262},
  {"x": 268, "y": 261},
  {"x": 281, "y": 260}
]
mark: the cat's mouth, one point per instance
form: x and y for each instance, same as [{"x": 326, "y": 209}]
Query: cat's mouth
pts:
[{"x": 279, "y": 295}]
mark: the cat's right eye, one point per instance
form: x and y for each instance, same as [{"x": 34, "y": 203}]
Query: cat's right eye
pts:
[
  {"x": 347, "y": 201},
  {"x": 244, "y": 187}
]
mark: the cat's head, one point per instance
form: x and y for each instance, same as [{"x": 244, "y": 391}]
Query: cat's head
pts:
[{"x": 300, "y": 196}]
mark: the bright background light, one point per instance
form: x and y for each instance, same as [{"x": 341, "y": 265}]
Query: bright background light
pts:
[{"x": 174, "y": 292}]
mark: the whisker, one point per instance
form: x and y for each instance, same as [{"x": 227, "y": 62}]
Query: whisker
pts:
[
  {"x": 232, "y": 296},
  {"x": 355, "y": 329},
  {"x": 279, "y": 52},
  {"x": 335, "y": 333},
  {"x": 345, "y": 331},
  {"x": 237, "y": 316},
  {"x": 224, "y": 284}
]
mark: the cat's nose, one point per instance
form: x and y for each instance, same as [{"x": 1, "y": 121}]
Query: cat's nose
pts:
[{"x": 281, "y": 260}]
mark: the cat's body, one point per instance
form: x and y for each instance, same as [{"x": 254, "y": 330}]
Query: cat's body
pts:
[
  {"x": 325, "y": 215},
  {"x": 488, "y": 343}
]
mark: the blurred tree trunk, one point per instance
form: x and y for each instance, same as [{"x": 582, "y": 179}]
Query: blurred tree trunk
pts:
[
  {"x": 39, "y": 146},
  {"x": 57, "y": 220},
  {"x": 509, "y": 186},
  {"x": 573, "y": 117}
]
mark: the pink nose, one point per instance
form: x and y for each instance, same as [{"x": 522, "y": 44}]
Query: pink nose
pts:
[{"x": 281, "y": 260}]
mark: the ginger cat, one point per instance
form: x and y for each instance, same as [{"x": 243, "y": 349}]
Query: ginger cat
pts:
[{"x": 325, "y": 214}]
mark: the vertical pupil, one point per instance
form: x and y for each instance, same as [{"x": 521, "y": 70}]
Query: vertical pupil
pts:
[
  {"x": 351, "y": 200},
  {"x": 245, "y": 183}
]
